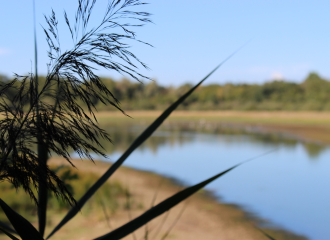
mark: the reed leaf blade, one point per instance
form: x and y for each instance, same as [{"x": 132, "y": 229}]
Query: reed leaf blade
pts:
[
  {"x": 7, "y": 228},
  {"x": 23, "y": 227},
  {"x": 138, "y": 141},
  {"x": 43, "y": 192},
  {"x": 159, "y": 209},
  {"x": 42, "y": 151},
  {"x": 8, "y": 234}
]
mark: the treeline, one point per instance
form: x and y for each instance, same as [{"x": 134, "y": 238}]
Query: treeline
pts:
[{"x": 312, "y": 94}]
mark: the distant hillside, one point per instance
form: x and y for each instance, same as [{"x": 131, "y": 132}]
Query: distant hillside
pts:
[{"x": 312, "y": 94}]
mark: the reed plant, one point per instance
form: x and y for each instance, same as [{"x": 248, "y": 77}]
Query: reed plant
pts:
[
  {"x": 77, "y": 183},
  {"x": 50, "y": 117}
]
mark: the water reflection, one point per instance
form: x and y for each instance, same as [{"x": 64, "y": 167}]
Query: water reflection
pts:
[
  {"x": 283, "y": 187},
  {"x": 179, "y": 134},
  {"x": 123, "y": 135}
]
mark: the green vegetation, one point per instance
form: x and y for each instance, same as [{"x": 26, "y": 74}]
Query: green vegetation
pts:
[
  {"x": 111, "y": 193},
  {"x": 311, "y": 95}
]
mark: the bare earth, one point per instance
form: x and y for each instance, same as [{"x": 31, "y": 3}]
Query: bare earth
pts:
[{"x": 202, "y": 218}]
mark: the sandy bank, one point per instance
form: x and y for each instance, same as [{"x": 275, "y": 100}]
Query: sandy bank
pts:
[{"x": 202, "y": 218}]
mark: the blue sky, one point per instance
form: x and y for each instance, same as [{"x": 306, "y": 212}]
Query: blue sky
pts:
[{"x": 289, "y": 39}]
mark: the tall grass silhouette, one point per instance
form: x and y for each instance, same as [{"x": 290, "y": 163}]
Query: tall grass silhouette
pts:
[{"x": 50, "y": 116}]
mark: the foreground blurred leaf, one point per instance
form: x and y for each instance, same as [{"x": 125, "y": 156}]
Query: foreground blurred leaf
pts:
[
  {"x": 8, "y": 234},
  {"x": 138, "y": 141},
  {"x": 7, "y": 228},
  {"x": 23, "y": 227},
  {"x": 159, "y": 209}
]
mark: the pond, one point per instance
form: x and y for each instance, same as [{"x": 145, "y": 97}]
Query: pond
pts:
[{"x": 286, "y": 183}]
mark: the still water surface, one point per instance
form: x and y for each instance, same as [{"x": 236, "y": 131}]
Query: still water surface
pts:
[{"x": 290, "y": 186}]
